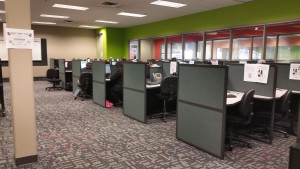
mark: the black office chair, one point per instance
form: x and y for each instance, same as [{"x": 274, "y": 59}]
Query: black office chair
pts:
[
  {"x": 239, "y": 116},
  {"x": 168, "y": 92},
  {"x": 86, "y": 86},
  {"x": 282, "y": 112},
  {"x": 53, "y": 77}
]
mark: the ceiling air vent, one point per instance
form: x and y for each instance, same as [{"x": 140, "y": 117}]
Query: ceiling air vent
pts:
[{"x": 109, "y": 4}]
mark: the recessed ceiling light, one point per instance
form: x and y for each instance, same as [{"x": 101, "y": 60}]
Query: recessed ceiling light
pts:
[
  {"x": 87, "y": 26},
  {"x": 168, "y": 4},
  {"x": 1, "y": 11},
  {"x": 44, "y": 23},
  {"x": 70, "y": 7},
  {"x": 131, "y": 14},
  {"x": 103, "y": 21},
  {"x": 54, "y": 16}
]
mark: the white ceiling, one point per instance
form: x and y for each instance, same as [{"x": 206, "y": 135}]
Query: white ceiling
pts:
[{"x": 96, "y": 12}]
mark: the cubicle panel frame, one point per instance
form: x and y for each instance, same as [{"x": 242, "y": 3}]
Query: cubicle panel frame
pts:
[
  {"x": 202, "y": 110},
  {"x": 61, "y": 70},
  {"x": 99, "y": 83},
  {"x": 262, "y": 89},
  {"x": 76, "y": 71},
  {"x": 134, "y": 82}
]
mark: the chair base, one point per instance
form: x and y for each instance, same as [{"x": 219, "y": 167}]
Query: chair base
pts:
[
  {"x": 54, "y": 88},
  {"x": 163, "y": 116},
  {"x": 83, "y": 96},
  {"x": 236, "y": 139}
]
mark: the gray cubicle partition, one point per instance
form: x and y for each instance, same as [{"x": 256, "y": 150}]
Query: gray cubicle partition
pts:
[
  {"x": 166, "y": 69},
  {"x": 283, "y": 80},
  {"x": 201, "y": 107},
  {"x": 155, "y": 70},
  {"x": 113, "y": 69},
  {"x": 99, "y": 83},
  {"x": 134, "y": 91},
  {"x": 160, "y": 63},
  {"x": 52, "y": 63},
  {"x": 61, "y": 70},
  {"x": 236, "y": 83},
  {"x": 76, "y": 73}
]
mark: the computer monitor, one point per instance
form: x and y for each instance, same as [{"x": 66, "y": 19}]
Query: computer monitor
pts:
[
  {"x": 83, "y": 64},
  {"x": 107, "y": 69}
]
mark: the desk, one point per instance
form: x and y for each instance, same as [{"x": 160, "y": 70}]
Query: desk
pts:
[
  {"x": 230, "y": 101},
  {"x": 279, "y": 94},
  {"x": 152, "y": 86}
]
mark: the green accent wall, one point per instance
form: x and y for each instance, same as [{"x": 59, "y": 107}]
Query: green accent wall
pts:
[
  {"x": 113, "y": 42},
  {"x": 251, "y": 13}
]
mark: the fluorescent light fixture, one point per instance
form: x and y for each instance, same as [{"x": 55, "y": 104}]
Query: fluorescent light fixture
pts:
[
  {"x": 70, "y": 7},
  {"x": 131, "y": 14},
  {"x": 1, "y": 11},
  {"x": 54, "y": 16},
  {"x": 168, "y": 4},
  {"x": 87, "y": 26},
  {"x": 103, "y": 21},
  {"x": 43, "y": 23}
]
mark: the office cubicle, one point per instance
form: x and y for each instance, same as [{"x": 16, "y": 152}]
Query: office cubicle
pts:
[
  {"x": 201, "y": 107},
  {"x": 99, "y": 83},
  {"x": 134, "y": 91},
  {"x": 166, "y": 69},
  {"x": 76, "y": 71},
  {"x": 236, "y": 83},
  {"x": 283, "y": 78}
]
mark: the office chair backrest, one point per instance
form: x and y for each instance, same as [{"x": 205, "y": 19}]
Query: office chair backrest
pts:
[
  {"x": 86, "y": 80},
  {"x": 246, "y": 104},
  {"x": 52, "y": 74},
  {"x": 169, "y": 85},
  {"x": 285, "y": 103}
]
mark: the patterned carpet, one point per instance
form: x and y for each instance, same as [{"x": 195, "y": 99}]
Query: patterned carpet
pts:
[{"x": 74, "y": 134}]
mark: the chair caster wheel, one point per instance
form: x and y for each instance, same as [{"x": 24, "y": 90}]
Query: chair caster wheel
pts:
[{"x": 230, "y": 148}]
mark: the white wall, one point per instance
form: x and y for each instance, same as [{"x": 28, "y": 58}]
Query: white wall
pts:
[
  {"x": 63, "y": 43},
  {"x": 147, "y": 49}
]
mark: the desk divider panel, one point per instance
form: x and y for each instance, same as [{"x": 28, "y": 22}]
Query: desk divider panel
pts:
[
  {"x": 155, "y": 70},
  {"x": 134, "y": 91},
  {"x": 99, "y": 83},
  {"x": 61, "y": 70},
  {"x": 76, "y": 71},
  {"x": 166, "y": 69},
  {"x": 201, "y": 107},
  {"x": 236, "y": 81},
  {"x": 52, "y": 63},
  {"x": 283, "y": 80},
  {"x": 160, "y": 63}
]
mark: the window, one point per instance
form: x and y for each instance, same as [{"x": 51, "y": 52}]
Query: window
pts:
[
  {"x": 217, "y": 45},
  {"x": 241, "y": 48},
  {"x": 289, "y": 47},
  {"x": 257, "y": 51},
  {"x": 174, "y": 47},
  {"x": 134, "y": 49},
  {"x": 193, "y": 46},
  {"x": 271, "y": 48}
]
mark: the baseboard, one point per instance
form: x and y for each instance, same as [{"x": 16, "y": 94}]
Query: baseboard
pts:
[
  {"x": 26, "y": 160},
  {"x": 34, "y": 79}
]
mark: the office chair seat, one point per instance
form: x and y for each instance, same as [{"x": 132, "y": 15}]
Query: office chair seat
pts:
[
  {"x": 86, "y": 86},
  {"x": 53, "y": 77},
  {"x": 168, "y": 92},
  {"x": 282, "y": 112},
  {"x": 240, "y": 116}
]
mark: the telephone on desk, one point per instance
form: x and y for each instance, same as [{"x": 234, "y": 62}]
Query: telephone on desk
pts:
[{"x": 156, "y": 79}]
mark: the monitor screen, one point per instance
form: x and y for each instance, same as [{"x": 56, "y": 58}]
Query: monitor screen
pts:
[
  {"x": 107, "y": 69},
  {"x": 83, "y": 64}
]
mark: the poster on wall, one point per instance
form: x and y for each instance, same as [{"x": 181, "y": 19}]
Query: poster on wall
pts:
[
  {"x": 19, "y": 38},
  {"x": 256, "y": 73},
  {"x": 294, "y": 71},
  {"x": 173, "y": 67}
]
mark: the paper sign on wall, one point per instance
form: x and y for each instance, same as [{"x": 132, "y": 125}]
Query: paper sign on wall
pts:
[
  {"x": 173, "y": 67},
  {"x": 256, "y": 73},
  {"x": 294, "y": 71},
  {"x": 19, "y": 38}
]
